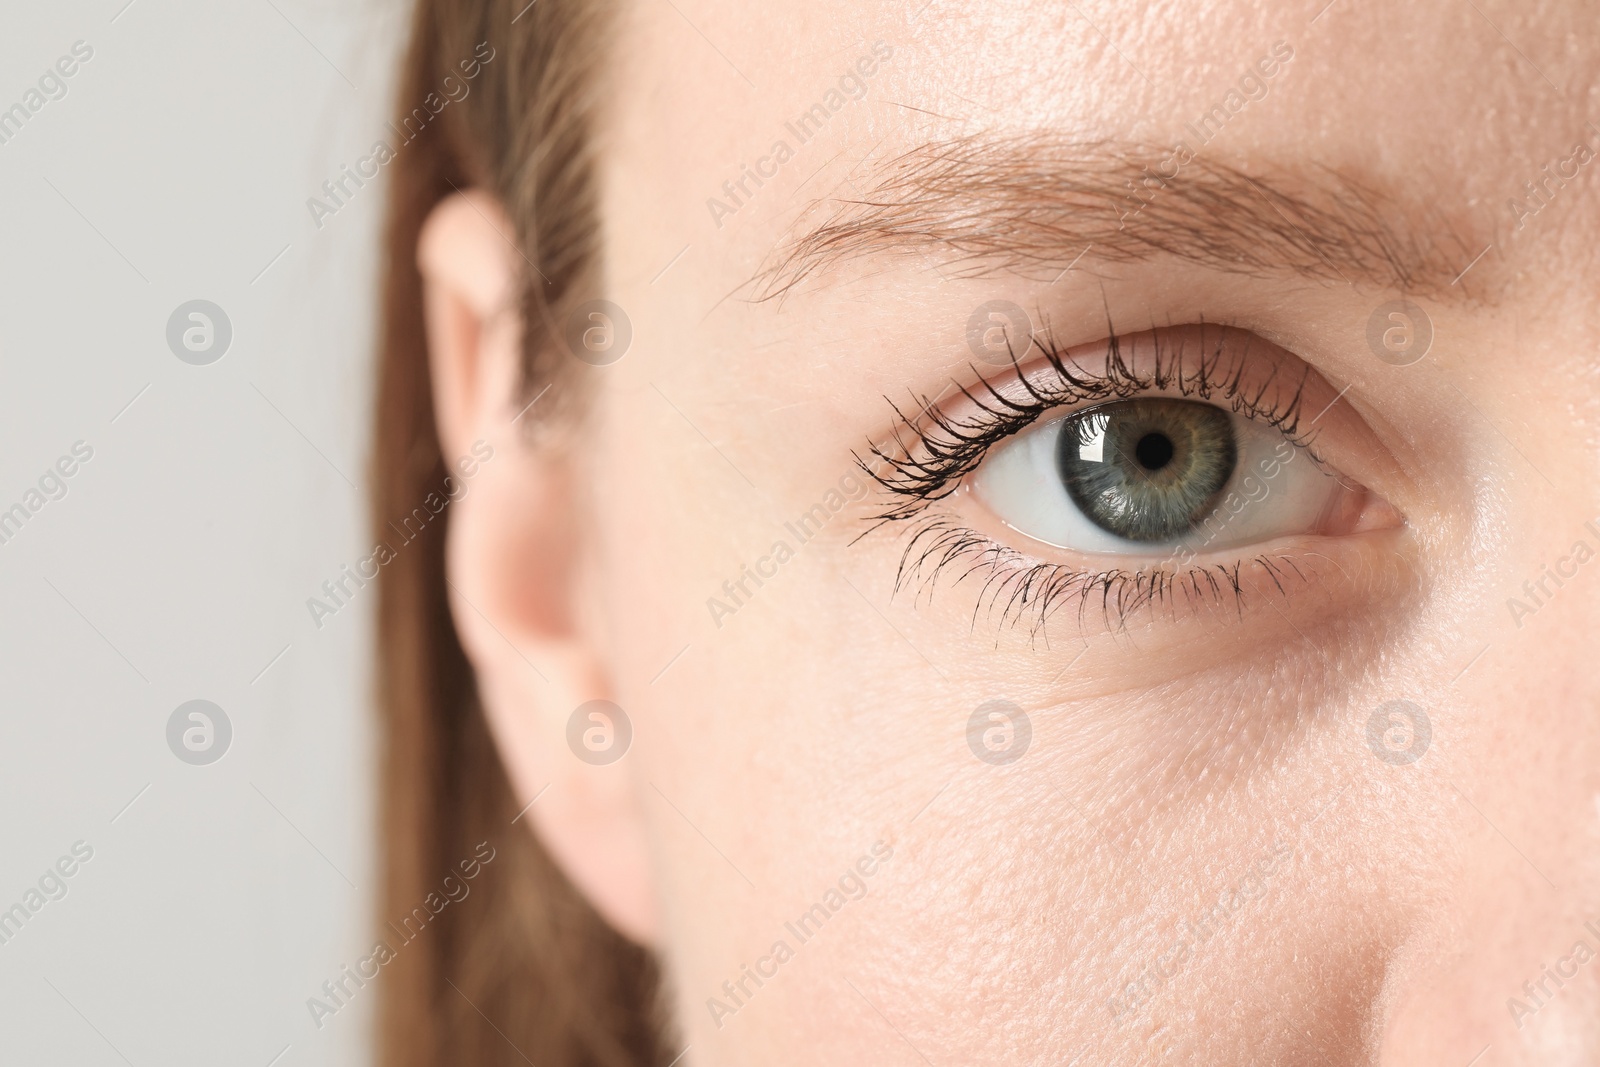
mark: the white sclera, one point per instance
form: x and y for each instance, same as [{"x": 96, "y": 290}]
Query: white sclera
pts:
[{"x": 1275, "y": 491}]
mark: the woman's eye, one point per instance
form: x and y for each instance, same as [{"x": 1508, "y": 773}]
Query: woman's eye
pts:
[{"x": 1158, "y": 475}]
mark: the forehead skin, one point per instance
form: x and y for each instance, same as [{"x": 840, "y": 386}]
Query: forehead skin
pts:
[
  {"x": 1445, "y": 104},
  {"x": 1409, "y": 903}
]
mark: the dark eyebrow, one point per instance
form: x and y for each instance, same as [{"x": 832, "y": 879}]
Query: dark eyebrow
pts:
[{"x": 1031, "y": 205}]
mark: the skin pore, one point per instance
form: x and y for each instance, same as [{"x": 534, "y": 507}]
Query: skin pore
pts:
[{"x": 1199, "y": 855}]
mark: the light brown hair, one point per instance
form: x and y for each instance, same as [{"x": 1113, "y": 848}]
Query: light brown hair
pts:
[{"x": 522, "y": 969}]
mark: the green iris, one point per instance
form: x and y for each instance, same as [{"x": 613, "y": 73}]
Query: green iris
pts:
[{"x": 1147, "y": 470}]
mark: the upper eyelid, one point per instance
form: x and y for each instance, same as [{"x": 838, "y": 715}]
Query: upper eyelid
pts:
[
  {"x": 1286, "y": 418},
  {"x": 954, "y": 442}
]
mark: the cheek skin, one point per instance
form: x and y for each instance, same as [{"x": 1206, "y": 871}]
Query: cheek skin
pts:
[
  {"x": 1106, "y": 811},
  {"x": 1097, "y": 821}
]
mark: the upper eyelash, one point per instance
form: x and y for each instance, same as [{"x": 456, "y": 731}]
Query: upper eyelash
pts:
[{"x": 945, "y": 449}]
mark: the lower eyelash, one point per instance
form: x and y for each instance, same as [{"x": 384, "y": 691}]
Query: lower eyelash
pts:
[
  {"x": 944, "y": 450},
  {"x": 1038, "y": 591}
]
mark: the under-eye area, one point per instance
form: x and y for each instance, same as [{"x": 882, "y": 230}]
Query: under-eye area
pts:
[{"x": 1192, "y": 466}]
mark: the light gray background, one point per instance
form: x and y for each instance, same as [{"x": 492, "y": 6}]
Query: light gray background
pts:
[{"x": 178, "y": 565}]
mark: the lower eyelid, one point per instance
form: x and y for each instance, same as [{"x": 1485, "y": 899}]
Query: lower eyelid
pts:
[{"x": 1309, "y": 581}]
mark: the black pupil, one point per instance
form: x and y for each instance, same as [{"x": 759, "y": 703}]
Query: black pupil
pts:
[{"x": 1154, "y": 451}]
